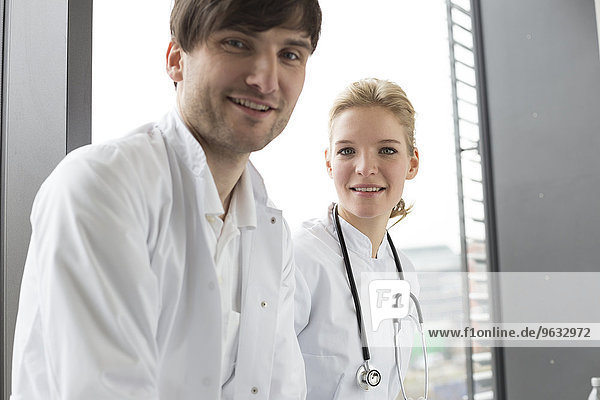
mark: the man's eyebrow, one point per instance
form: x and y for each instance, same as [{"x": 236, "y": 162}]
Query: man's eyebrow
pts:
[
  {"x": 304, "y": 43},
  {"x": 241, "y": 29}
]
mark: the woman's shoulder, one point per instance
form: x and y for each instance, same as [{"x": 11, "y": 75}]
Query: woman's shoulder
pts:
[
  {"x": 314, "y": 227},
  {"x": 312, "y": 233},
  {"x": 315, "y": 243}
]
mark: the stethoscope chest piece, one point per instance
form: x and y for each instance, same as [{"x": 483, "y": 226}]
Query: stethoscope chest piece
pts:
[{"x": 367, "y": 377}]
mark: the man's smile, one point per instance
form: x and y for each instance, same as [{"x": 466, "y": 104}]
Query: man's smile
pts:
[{"x": 252, "y": 104}]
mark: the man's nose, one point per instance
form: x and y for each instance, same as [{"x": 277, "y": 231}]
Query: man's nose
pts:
[
  {"x": 263, "y": 74},
  {"x": 366, "y": 165}
]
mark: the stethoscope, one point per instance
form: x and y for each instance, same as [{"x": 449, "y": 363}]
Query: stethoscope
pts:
[{"x": 367, "y": 376}]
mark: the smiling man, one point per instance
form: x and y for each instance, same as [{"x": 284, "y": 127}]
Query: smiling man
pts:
[{"x": 157, "y": 267}]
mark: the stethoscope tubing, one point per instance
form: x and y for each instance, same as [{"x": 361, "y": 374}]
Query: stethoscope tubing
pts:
[
  {"x": 357, "y": 306},
  {"x": 352, "y": 282}
]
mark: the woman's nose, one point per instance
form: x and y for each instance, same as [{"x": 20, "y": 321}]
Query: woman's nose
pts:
[
  {"x": 263, "y": 74},
  {"x": 366, "y": 165}
]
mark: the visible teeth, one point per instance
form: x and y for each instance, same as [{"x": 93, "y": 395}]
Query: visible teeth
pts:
[
  {"x": 367, "y": 189},
  {"x": 251, "y": 104}
]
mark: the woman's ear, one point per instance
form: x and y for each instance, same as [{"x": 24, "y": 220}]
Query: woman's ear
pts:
[
  {"x": 175, "y": 62},
  {"x": 413, "y": 165},
  {"x": 328, "y": 163}
]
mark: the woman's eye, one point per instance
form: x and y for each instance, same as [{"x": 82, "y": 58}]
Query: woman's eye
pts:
[
  {"x": 388, "y": 150},
  {"x": 346, "y": 151}
]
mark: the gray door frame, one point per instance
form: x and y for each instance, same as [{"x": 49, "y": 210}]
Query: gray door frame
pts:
[{"x": 46, "y": 112}]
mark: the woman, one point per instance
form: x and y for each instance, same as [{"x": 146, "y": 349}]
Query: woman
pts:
[{"x": 370, "y": 155}]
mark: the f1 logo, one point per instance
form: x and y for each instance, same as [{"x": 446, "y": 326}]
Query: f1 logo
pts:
[{"x": 389, "y": 299}]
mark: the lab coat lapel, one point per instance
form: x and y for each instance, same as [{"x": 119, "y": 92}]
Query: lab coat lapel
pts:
[
  {"x": 261, "y": 281},
  {"x": 198, "y": 307},
  {"x": 193, "y": 338}
]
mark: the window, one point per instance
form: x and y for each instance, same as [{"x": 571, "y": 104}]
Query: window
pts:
[{"x": 472, "y": 202}]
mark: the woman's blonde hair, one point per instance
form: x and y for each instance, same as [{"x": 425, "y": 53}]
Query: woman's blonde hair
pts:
[{"x": 373, "y": 92}]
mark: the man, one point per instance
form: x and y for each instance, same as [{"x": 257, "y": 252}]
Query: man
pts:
[{"x": 157, "y": 268}]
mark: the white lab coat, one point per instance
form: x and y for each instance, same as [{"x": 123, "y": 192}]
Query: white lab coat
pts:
[
  {"x": 120, "y": 298},
  {"x": 325, "y": 315}
]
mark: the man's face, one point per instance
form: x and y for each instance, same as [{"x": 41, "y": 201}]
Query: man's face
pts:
[{"x": 237, "y": 90}]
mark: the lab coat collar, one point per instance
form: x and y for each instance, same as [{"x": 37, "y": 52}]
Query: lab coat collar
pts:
[
  {"x": 243, "y": 207},
  {"x": 212, "y": 201},
  {"x": 356, "y": 241},
  {"x": 191, "y": 153}
]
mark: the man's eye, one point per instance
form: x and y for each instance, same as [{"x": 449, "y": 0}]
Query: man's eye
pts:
[
  {"x": 290, "y": 55},
  {"x": 235, "y": 43},
  {"x": 388, "y": 150},
  {"x": 346, "y": 151}
]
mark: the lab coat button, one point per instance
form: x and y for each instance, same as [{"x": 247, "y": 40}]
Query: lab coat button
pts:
[
  {"x": 263, "y": 304},
  {"x": 273, "y": 220},
  {"x": 211, "y": 285},
  {"x": 206, "y": 381},
  {"x": 254, "y": 390}
]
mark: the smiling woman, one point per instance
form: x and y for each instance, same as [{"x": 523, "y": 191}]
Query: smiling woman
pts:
[
  {"x": 369, "y": 161},
  {"x": 371, "y": 154}
]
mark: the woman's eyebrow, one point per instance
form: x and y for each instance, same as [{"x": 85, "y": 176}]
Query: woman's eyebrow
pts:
[{"x": 390, "y": 141}]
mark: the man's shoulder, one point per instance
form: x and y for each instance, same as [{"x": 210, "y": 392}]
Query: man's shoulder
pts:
[
  {"x": 138, "y": 145},
  {"x": 128, "y": 161}
]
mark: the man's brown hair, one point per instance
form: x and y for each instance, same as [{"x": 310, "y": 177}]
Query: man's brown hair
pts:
[{"x": 192, "y": 21}]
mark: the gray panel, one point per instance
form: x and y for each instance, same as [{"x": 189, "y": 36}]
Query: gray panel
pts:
[
  {"x": 34, "y": 123},
  {"x": 79, "y": 74},
  {"x": 2, "y": 300},
  {"x": 35, "y": 116},
  {"x": 543, "y": 85},
  {"x": 544, "y": 97},
  {"x": 550, "y": 373},
  {"x": 598, "y": 24}
]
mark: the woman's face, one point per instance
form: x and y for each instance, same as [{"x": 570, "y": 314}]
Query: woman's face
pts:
[{"x": 368, "y": 160}]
